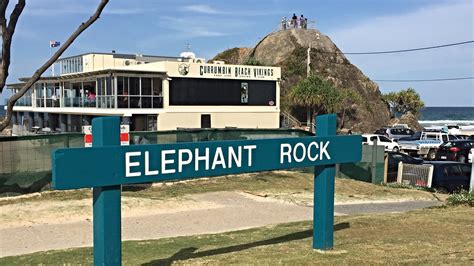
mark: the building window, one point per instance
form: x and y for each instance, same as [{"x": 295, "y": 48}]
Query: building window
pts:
[
  {"x": 136, "y": 92},
  {"x": 194, "y": 91}
]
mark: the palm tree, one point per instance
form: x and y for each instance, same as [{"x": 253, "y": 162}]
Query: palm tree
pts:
[
  {"x": 316, "y": 94},
  {"x": 348, "y": 98},
  {"x": 405, "y": 101}
]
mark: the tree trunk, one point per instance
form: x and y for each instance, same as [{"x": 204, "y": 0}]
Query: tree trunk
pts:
[
  {"x": 308, "y": 116},
  {"x": 343, "y": 117}
]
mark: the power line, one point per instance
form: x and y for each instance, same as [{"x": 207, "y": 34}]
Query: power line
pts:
[
  {"x": 421, "y": 80},
  {"x": 411, "y": 50}
]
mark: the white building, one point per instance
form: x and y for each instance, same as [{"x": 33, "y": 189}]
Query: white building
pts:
[{"x": 150, "y": 93}]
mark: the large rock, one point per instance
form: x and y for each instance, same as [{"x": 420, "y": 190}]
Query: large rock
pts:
[
  {"x": 288, "y": 49},
  {"x": 410, "y": 119}
]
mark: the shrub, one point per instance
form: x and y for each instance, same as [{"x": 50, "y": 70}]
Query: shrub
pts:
[{"x": 462, "y": 197}]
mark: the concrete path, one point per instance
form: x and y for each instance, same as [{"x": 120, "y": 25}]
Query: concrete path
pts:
[{"x": 235, "y": 211}]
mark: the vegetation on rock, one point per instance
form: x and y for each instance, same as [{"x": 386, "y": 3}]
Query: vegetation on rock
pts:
[{"x": 405, "y": 101}]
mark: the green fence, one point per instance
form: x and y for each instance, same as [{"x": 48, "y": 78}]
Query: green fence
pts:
[
  {"x": 25, "y": 161},
  {"x": 371, "y": 167}
]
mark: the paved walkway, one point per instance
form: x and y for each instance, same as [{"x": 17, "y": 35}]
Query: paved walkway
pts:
[{"x": 235, "y": 211}]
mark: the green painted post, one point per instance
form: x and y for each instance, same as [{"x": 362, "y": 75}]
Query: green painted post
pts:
[
  {"x": 324, "y": 179},
  {"x": 107, "y": 213}
]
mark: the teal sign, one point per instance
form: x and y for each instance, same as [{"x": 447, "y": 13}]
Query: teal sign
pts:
[{"x": 106, "y": 166}]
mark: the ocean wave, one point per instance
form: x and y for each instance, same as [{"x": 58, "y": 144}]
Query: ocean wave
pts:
[{"x": 443, "y": 122}]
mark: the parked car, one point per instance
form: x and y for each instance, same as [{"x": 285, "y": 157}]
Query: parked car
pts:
[
  {"x": 451, "y": 176},
  {"x": 395, "y": 132},
  {"x": 423, "y": 144},
  {"x": 456, "y": 150},
  {"x": 390, "y": 145},
  {"x": 396, "y": 157}
]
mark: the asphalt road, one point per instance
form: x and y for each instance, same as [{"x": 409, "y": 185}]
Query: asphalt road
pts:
[{"x": 230, "y": 211}]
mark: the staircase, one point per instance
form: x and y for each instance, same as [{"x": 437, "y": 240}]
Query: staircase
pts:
[{"x": 289, "y": 121}]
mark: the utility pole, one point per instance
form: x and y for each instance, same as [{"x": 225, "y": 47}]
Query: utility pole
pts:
[
  {"x": 308, "y": 61},
  {"x": 308, "y": 57}
]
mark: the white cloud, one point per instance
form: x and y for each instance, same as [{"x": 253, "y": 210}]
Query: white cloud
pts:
[{"x": 203, "y": 9}]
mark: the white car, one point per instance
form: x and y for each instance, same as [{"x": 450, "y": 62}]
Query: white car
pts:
[{"x": 390, "y": 145}]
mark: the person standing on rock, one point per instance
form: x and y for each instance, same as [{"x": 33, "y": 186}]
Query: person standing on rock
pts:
[
  {"x": 294, "y": 21},
  {"x": 302, "y": 25},
  {"x": 283, "y": 23}
]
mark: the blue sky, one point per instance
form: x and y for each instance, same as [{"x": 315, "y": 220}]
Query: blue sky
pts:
[{"x": 164, "y": 27}]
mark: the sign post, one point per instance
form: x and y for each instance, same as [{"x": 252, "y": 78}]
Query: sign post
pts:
[
  {"x": 107, "y": 165},
  {"x": 324, "y": 180},
  {"x": 106, "y": 200}
]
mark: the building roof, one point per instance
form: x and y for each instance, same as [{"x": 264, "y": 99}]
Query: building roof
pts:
[{"x": 127, "y": 56}]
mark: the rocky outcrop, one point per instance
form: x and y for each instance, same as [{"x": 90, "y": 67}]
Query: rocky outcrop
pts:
[
  {"x": 410, "y": 119},
  {"x": 233, "y": 56},
  {"x": 288, "y": 50}
]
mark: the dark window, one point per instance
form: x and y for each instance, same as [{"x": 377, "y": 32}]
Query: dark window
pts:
[
  {"x": 146, "y": 86},
  {"x": 466, "y": 169},
  {"x": 192, "y": 91},
  {"x": 157, "y": 87},
  {"x": 452, "y": 170},
  {"x": 134, "y": 86},
  {"x": 205, "y": 121}
]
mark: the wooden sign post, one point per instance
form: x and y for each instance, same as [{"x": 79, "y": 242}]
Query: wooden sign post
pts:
[{"x": 107, "y": 165}]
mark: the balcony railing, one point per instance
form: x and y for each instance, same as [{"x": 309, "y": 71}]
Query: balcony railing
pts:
[{"x": 24, "y": 101}]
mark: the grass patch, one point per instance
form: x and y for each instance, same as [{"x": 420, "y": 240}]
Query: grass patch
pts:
[
  {"x": 408, "y": 186},
  {"x": 281, "y": 184},
  {"x": 429, "y": 236}
]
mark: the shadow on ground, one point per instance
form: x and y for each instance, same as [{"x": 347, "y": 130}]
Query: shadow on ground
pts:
[{"x": 189, "y": 253}]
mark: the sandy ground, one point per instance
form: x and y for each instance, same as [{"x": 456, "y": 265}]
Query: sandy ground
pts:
[{"x": 40, "y": 226}]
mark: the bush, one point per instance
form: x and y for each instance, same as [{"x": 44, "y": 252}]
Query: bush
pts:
[{"x": 462, "y": 198}]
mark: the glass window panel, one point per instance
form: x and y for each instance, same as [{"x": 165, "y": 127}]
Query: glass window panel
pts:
[
  {"x": 157, "y": 102},
  {"x": 109, "y": 86},
  {"x": 121, "y": 90},
  {"x": 146, "y": 102},
  {"x": 122, "y": 101},
  {"x": 146, "y": 86},
  {"x": 157, "y": 89},
  {"x": 134, "y": 86},
  {"x": 135, "y": 102},
  {"x": 194, "y": 91}
]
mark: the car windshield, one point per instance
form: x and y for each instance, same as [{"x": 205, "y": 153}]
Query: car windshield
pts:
[{"x": 417, "y": 135}]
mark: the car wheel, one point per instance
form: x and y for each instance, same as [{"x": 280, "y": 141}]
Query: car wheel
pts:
[
  {"x": 431, "y": 155},
  {"x": 462, "y": 159},
  {"x": 396, "y": 149}
]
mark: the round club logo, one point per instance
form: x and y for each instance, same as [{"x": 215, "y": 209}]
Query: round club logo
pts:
[{"x": 183, "y": 69}]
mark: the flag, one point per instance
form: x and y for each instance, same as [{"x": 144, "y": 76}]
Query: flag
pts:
[{"x": 54, "y": 44}]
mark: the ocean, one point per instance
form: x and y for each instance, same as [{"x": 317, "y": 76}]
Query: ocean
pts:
[{"x": 439, "y": 116}]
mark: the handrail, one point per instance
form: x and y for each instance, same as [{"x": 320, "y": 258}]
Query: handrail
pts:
[{"x": 291, "y": 118}]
